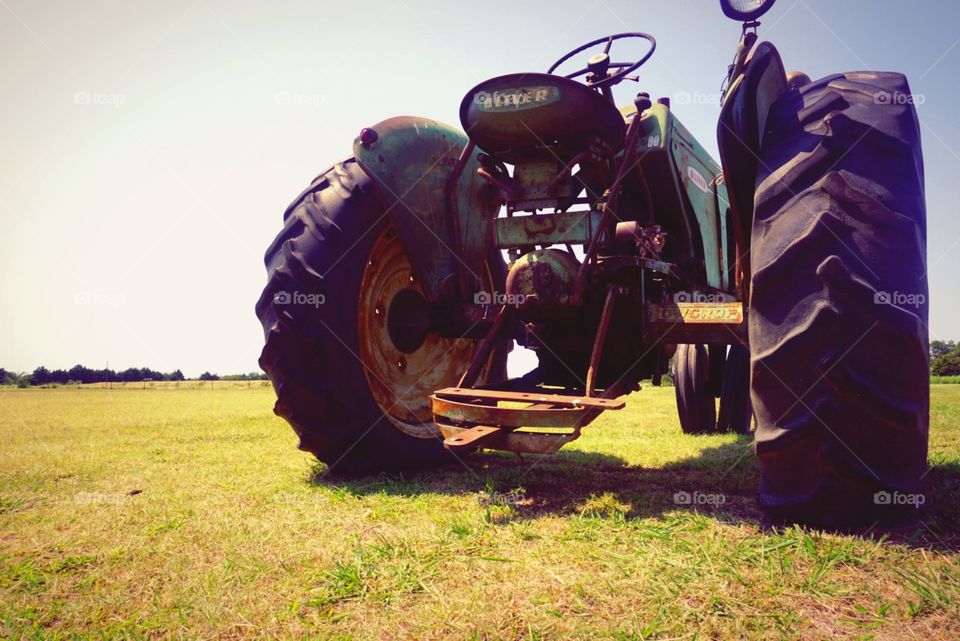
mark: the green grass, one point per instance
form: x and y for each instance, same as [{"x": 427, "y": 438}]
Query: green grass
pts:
[
  {"x": 945, "y": 380},
  {"x": 189, "y": 514}
]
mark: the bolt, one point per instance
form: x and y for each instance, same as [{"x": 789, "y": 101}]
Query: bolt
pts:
[
  {"x": 402, "y": 363},
  {"x": 368, "y": 137}
]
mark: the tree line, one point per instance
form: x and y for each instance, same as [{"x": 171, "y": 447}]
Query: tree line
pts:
[
  {"x": 79, "y": 374},
  {"x": 945, "y": 358},
  {"x": 944, "y": 361}
]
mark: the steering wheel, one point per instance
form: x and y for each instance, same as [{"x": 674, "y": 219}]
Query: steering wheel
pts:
[{"x": 599, "y": 64}]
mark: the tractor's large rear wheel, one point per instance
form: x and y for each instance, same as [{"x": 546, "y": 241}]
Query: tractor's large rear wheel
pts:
[
  {"x": 349, "y": 346},
  {"x": 838, "y": 304}
]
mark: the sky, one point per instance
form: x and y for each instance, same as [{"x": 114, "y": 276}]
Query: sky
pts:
[{"x": 150, "y": 148}]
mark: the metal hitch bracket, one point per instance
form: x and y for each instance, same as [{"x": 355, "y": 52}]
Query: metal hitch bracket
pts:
[{"x": 473, "y": 418}]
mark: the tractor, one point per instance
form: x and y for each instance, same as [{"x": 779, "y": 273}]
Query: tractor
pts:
[{"x": 609, "y": 242}]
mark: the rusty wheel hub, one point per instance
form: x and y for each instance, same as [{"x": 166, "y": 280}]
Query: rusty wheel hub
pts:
[{"x": 403, "y": 359}]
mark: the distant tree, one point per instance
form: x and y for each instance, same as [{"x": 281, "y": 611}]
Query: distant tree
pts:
[
  {"x": 947, "y": 364},
  {"x": 207, "y": 376},
  {"x": 4, "y": 376},
  {"x": 41, "y": 376},
  {"x": 939, "y": 348},
  {"x": 176, "y": 375},
  {"x": 82, "y": 374},
  {"x": 24, "y": 380}
]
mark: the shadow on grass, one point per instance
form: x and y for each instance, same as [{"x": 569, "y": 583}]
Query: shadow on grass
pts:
[{"x": 720, "y": 481}]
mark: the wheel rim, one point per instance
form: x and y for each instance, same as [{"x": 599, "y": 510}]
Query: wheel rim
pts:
[{"x": 403, "y": 360}]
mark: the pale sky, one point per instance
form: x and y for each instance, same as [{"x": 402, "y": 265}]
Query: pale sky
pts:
[{"x": 150, "y": 148}]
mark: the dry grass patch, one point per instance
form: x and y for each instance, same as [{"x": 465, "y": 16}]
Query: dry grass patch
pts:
[{"x": 189, "y": 514}]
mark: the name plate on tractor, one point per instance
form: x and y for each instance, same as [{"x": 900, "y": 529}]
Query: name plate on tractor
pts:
[
  {"x": 697, "y": 313},
  {"x": 697, "y": 323}
]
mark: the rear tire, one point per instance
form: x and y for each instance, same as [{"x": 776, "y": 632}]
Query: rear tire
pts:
[
  {"x": 696, "y": 404},
  {"x": 840, "y": 378},
  {"x": 356, "y": 400}
]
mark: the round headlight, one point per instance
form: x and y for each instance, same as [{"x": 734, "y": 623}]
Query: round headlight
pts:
[{"x": 745, "y": 10}]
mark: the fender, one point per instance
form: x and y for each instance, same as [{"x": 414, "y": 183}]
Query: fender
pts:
[
  {"x": 743, "y": 120},
  {"x": 411, "y": 160}
]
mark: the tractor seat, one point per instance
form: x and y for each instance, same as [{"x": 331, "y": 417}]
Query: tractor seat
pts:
[{"x": 518, "y": 115}]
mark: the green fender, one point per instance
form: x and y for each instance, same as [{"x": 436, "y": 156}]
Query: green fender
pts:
[{"x": 410, "y": 160}]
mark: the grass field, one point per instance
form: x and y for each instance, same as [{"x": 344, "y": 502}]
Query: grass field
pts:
[{"x": 189, "y": 514}]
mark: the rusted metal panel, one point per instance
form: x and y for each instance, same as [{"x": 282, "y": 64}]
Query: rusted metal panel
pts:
[
  {"x": 546, "y": 229},
  {"x": 411, "y": 160}
]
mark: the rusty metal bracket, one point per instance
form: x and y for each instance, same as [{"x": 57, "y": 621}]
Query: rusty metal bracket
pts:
[
  {"x": 473, "y": 418},
  {"x": 612, "y": 197},
  {"x": 558, "y": 400},
  {"x": 462, "y": 439},
  {"x": 500, "y": 324},
  {"x": 599, "y": 339}
]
